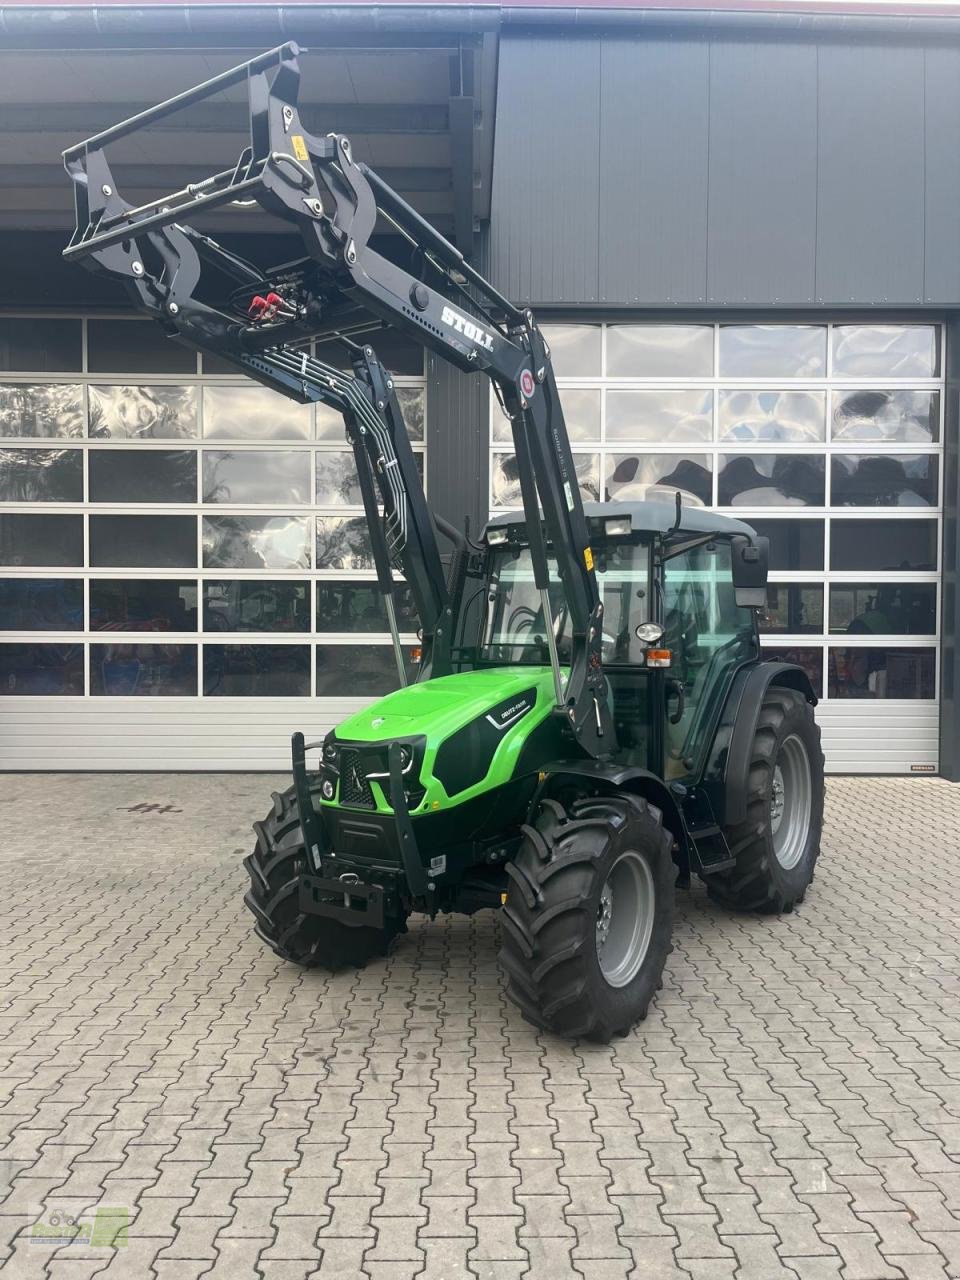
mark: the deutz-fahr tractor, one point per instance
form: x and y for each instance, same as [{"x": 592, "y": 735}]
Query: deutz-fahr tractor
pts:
[{"x": 591, "y": 720}]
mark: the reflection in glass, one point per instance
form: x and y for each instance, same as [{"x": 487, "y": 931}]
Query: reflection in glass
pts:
[
  {"x": 253, "y": 413},
  {"x": 147, "y": 604},
  {"x": 355, "y": 670},
  {"x": 41, "y": 604},
  {"x": 413, "y": 404},
  {"x": 35, "y": 345},
  {"x": 660, "y": 416},
  {"x": 255, "y": 542},
  {"x": 882, "y": 673},
  {"x": 134, "y": 475},
  {"x": 771, "y": 480},
  {"x": 256, "y": 605},
  {"x": 143, "y": 413},
  {"x": 581, "y": 411},
  {"x": 885, "y": 351},
  {"x": 505, "y": 479},
  {"x": 887, "y": 545},
  {"x": 256, "y": 670},
  {"x": 358, "y": 606},
  {"x": 576, "y": 349},
  {"x": 659, "y": 351},
  {"x": 884, "y": 608},
  {"x": 41, "y": 475},
  {"x": 39, "y": 411},
  {"x": 883, "y": 480},
  {"x": 143, "y": 542},
  {"x": 794, "y": 544},
  {"x": 343, "y": 543},
  {"x": 811, "y": 660},
  {"x": 38, "y": 541},
  {"x": 793, "y": 608},
  {"x": 773, "y": 350},
  {"x": 337, "y": 483},
  {"x": 37, "y": 669},
  {"x": 143, "y": 670},
  {"x": 773, "y": 415},
  {"x": 246, "y": 476},
  {"x": 908, "y": 417},
  {"x": 656, "y": 477},
  {"x": 134, "y": 346}
]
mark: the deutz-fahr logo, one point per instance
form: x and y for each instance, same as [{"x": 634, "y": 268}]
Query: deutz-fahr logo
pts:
[{"x": 469, "y": 330}]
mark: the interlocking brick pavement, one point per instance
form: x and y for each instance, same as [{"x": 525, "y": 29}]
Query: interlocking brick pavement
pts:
[{"x": 789, "y": 1109}]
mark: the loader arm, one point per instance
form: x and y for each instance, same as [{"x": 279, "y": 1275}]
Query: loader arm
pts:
[{"x": 335, "y": 203}]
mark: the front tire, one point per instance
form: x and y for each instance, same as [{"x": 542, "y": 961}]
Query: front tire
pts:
[
  {"x": 777, "y": 845},
  {"x": 588, "y": 916},
  {"x": 275, "y": 867}
]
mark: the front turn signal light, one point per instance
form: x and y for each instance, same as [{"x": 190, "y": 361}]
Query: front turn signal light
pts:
[
  {"x": 416, "y": 653},
  {"x": 658, "y": 657}
]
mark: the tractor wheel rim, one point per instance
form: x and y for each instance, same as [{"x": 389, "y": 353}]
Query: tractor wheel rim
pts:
[
  {"x": 625, "y": 911},
  {"x": 790, "y": 802}
]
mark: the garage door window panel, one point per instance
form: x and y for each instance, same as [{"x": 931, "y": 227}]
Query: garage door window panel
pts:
[
  {"x": 41, "y": 475},
  {"x": 256, "y": 604},
  {"x": 41, "y": 670},
  {"x": 143, "y": 604},
  {"x": 143, "y": 476},
  {"x": 256, "y": 670},
  {"x": 248, "y": 477},
  {"x": 143, "y": 542},
  {"x": 871, "y": 415},
  {"x": 884, "y": 480},
  {"x": 36, "y": 411},
  {"x": 32, "y": 344},
  {"x": 883, "y": 608},
  {"x": 870, "y": 672},
  {"x": 772, "y": 351},
  {"x": 143, "y": 670},
  {"x": 885, "y": 351},
  {"x": 41, "y": 604},
  {"x": 143, "y": 412}
]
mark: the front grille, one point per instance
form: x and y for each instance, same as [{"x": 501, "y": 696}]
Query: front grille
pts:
[{"x": 354, "y": 789}]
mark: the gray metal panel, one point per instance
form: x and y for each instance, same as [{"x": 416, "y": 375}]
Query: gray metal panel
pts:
[
  {"x": 458, "y": 456},
  {"x": 653, "y": 171},
  {"x": 942, "y": 175},
  {"x": 544, "y": 213},
  {"x": 870, "y": 222},
  {"x": 763, "y": 173}
]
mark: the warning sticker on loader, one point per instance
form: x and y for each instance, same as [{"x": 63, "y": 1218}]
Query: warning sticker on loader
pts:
[
  {"x": 299, "y": 147},
  {"x": 588, "y": 557}
]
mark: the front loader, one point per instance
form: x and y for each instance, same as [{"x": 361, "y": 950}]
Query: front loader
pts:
[{"x": 601, "y": 727}]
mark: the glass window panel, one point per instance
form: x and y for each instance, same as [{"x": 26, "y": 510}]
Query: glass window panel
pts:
[
  {"x": 656, "y": 477},
  {"x": 659, "y": 351},
  {"x": 36, "y": 669},
  {"x": 135, "y": 346},
  {"x": 135, "y": 475},
  {"x": 771, "y": 416},
  {"x": 884, "y": 608},
  {"x": 887, "y": 545},
  {"x": 883, "y": 480},
  {"x": 256, "y": 475},
  {"x": 810, "y": 659},
  {"x": 660, "y": 416},
  {"x": 337, "y": 483},
  {"x": 253, "y": 413},
  {"x": 505, "y": 479},
  {"x": 41, "y": 604},
  {"x": 255, "y": 542},
  {"x": 256, "y": 605},
  {"x": 143, "y": 670},
  {"x": 413, "y": 406},
  {"x": 773, "y": 351},
  {"x": 882, "y": 673},
  {"x": 39, "y": 541},
  {"x": 771, "y": 480},
  {"x": 41, "y": 475},
  {"x": 143, "y": 542},
  {"x": 908, "y": 417},
  {"x": 794, "y": 608},
  {"x": 143, "y": 413},
  {"x": 581, "y": 412},
  {"x": 149, "y": 604},
  {"x": 40, "y": 410},
  {"x": 355, "y": 670},
  {"x": 794, "y": 544},
  {"x": 576, "y": 349},
  {"x": 885, "y": 351},
  {"x": 256, "y": 670},
  {"x": 35, "y": 345},
  {"x": 343, "y": 542},
  {"x": 358, "y": 606}
]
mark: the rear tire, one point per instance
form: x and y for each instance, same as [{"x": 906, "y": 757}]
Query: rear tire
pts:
[
  {"x": 588, "y": 916},
  {"x": 275, "y": 867},
  {"x": 778, "y": 843}
]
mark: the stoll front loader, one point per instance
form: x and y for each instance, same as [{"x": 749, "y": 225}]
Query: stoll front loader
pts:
[{"x": 591, "y": 721}]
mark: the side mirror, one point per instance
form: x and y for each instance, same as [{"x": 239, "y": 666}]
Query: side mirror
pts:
[{"x": 750, "y": 561}]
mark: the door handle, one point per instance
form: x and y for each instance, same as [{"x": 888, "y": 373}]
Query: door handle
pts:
[{"x": 676, "y": 687}]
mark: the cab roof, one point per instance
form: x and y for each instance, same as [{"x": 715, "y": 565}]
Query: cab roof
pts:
[{"x": 647, "y": 517}]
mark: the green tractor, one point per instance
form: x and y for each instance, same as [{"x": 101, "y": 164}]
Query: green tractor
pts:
[{"x": 590, "y": 721}]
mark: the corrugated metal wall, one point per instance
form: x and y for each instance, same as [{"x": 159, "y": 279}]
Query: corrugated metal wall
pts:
[{"x": 655, "y": 171}]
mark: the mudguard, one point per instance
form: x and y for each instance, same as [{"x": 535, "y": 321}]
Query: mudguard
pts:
[{"x": 618, "y": 777}]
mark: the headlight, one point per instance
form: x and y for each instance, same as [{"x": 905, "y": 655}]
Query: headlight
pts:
[
  {"x": 496, "y": 537},
  {"x": 330, "y": 752},
  {"x": 404, "y": 757},
  {"x": 327, "y": 789},
  {"x": 618, "y": 528},
  {"x": 649, "y": 632}
]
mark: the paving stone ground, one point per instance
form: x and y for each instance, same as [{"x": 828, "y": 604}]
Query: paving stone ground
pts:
[{"x": 790, "y": 1108}]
